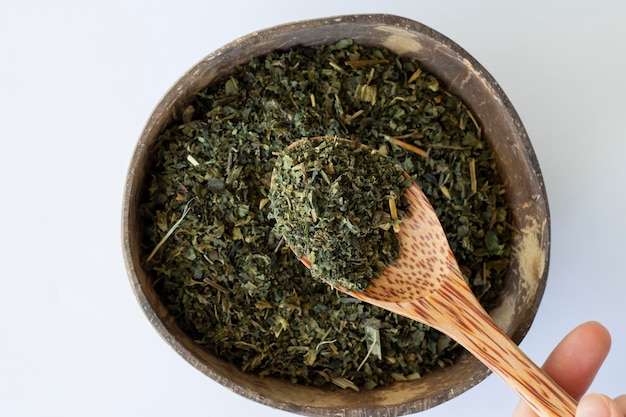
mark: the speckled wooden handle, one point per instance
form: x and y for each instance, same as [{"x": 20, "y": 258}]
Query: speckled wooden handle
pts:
[{"x": 454, "y": 312}]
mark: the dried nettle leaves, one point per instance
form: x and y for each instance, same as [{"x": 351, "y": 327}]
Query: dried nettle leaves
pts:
[
  {"x": 336, "y": 202},
  {"x": 224, "y": 272}
]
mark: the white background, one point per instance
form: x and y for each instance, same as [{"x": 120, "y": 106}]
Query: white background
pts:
[{"x": 78, "y": 79}]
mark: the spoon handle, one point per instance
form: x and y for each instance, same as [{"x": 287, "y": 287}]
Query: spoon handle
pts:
[{"x": 453, "y": 310}]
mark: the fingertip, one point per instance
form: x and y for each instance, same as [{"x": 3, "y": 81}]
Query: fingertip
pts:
[
  {"x": 596, "y": 330},
  {"x": 593, "y": 405},
  {"x": 597, "y": 405},
  {"x": 576, "y": 359},
  {"x": 621, "y": 403}
]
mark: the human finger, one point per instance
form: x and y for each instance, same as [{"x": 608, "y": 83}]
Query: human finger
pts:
[
  {"x": 621, "y": 403},
  {"x": 598, "y": 405},
  {"x": 575, "y": 361}
]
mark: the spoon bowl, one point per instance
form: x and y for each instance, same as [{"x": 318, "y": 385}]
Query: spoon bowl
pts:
[{"x": 425, "y": 284}]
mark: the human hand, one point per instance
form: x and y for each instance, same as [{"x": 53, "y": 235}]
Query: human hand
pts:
[{"x": 573, "y": 364}]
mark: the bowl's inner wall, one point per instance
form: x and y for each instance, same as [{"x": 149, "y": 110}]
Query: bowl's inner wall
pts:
[{"x": 504, "y": 134}]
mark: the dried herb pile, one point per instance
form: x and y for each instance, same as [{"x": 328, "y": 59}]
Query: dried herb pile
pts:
[
  {"x": 219, "y": 264},
  {"x": 335, "y": 202}
]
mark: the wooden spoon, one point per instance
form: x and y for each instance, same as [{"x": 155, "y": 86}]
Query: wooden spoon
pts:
[{"x": 425, "y": 284}]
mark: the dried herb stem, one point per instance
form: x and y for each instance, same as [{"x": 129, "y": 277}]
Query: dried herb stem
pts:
[
  {"x": 366, "y": 62},
  {"x": 170, "y": 231},
  {"x": 473, "y": 179},
  {"x": 408, "y": 146},
  {"x": 369, "y": 351},
  {"x": 393, "y": 210},
  {"x": 415, "y": 75}
]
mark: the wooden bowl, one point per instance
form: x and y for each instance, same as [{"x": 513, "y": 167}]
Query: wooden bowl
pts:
[{"x": 517, "y": 164}]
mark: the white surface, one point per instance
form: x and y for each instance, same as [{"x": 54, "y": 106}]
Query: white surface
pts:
[{"x": 78, "y": 80}]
